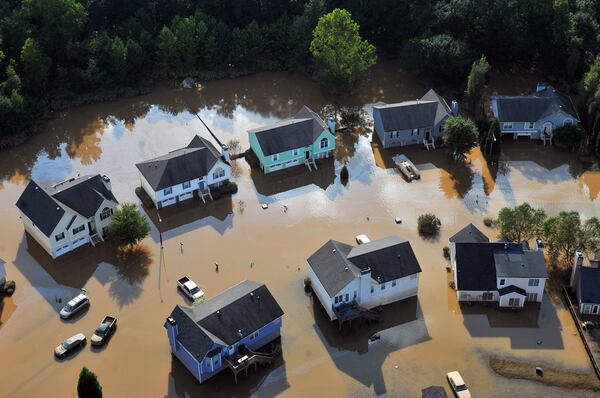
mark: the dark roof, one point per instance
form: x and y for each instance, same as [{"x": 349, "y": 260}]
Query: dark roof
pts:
[
  {"x": 470, "y": 233},
  {"x": 589, "y": 284},
  {"x": 529, "y": 108},
  {"x": 388, "y": 259},
  {"x": 300, "y": 131},
  {"x": 434, "y": 392},
  {"x": 40, "y": 208},
  {"x": 478, "y": 264},
  {"x": 44, "y": 205},
  {"x": 85, "y": 194},
  {"x": 181, "y": 165},
  {"x": 512, "y": 289},
  {"x": 245, "y": 307},
  {"x": 426, "y": 112},
  {"x": 520, "y": 264}
]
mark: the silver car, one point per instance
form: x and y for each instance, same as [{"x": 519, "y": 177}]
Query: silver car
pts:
[
  {"x": 69, "y": 345},
  {"x": 75, "y": 305}
]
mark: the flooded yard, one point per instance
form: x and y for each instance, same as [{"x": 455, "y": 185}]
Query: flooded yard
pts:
[{"x": 421, "y": 339}]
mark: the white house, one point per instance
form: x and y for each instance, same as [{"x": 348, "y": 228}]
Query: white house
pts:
[
  {"x": 505, "y": 273},
  {"x": 67, "y": 215},
  {"x": 585, "y": 282},
  {"x": 372, "y": 274},
  {"x": 185, "y": 173}
]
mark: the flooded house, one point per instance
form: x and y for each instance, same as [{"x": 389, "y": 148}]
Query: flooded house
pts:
[
  {"x": 348, "y": 278},
  {"x": 504, "y": 273},
  {"x": 226, "y": 331},
  {"x": 185, "y": 173},
  {"x": 299, "y": 140},
  {"x": 413, "y": 122},
  {"x": 67, "y": 215},
  {"x": 585, "y": 282},
  {"x": 535, "y": 116}
]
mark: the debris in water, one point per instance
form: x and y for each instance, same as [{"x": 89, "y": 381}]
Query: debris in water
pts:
[
  {"x": 285, "y": 208},
  {"x": 264, "y": 206},
  {"x": 216, "y": 267},
  {"x": 398, "y": 220},
  {"x": 251, "y": 264},
  {"x": 368, "y": 219},
  {"x": 539, "y": 371},
  {"x": 539, "y": 342},
  {"x": 396, "y": 367},
  {"x": 298, "y": 268}
]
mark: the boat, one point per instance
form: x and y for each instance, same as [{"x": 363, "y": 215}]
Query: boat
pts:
[{"x": 407, "y": 168}]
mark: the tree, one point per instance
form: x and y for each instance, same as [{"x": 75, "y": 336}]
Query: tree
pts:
[
  {"x": 460, "y": 135},
  {"x": 128, "y": 226},
  {"x": 562, "y": 234},
  {"x": 476, "y": 84},
  {"x": 117, "y": 60},
  {"x": 520, "y": 223},
  {"x": 341, "y": 56},
  {"x": 428, "y": 224},
  {"x": 35, "y": 63},
  {"x": 88, "y": 385},
  {"x": 166, "y": 52},
  {"x": 569, "y": 136},
  {"x": 491, "y": 141}
]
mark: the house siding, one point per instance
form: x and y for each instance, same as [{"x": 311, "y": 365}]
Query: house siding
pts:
[
  {"x": 396, "y": 138},
  {"x": 476, "y": 295},
  {"x": 523, "y": 283}
]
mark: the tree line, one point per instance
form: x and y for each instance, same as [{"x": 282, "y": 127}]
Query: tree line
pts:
[{"x": 49, "y": 48}]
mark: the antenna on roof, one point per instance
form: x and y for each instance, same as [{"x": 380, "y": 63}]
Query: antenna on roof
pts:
[{"x": 209, "y": 130}]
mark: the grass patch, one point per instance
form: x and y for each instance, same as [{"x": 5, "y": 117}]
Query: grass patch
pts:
[{"x": 513, "y": 369}]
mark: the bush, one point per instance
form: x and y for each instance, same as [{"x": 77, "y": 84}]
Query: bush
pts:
[
  {"x": 344, "y": 175},
  {"x": 488, "y": 222},
  {"x": 428, "y": 224},
  {"x": 569, "y": 136},
  {"x": 128, "y": 226},
  {"x": 446, "y": 251},
  {"x": 88, "y": 385}
]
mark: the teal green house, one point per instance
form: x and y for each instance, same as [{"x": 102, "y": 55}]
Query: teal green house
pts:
[{"x": 292, "y": 142}]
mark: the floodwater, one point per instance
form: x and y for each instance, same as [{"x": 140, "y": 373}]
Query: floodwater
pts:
[{"x": 421, "y": 338}]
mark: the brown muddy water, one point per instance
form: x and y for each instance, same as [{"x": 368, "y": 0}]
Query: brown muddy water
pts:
[{"x": 422, "y": 338}]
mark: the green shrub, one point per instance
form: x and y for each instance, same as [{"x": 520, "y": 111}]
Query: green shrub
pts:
[
  {"x": 569, "y": 136},
  {"x": 428, "y": 224}
]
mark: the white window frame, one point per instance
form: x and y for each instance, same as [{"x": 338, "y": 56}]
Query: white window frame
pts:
[
  {"x": 295, "y": 152},
  {"x": 167, "y": 191},
  {"x": 275, "y": 157},
  {"x": 502, "y": 282},
  {"x": 530, "y": 126},
  {"x": 186, "y": 185},
  {"x": 59, "y": 237},
  {"x": 106, "y": 213},
  {"x": 78, "y": 229},
  {"x": 507, "y": 125},
  {"x": 383, "y": 286},
  {"x": 326, "y": 141},
  {"x": 218, "y": 173},
  {"x": 514, "y": 302},
  {"x": 533, "y": 282},
  {"x": 394, "y": 283},
  {"x": 487, "y": 296},
  {"x": 568, "y": 122}
]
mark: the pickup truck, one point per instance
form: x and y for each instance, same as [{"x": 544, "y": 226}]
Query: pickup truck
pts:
[
  {"x": 104, "y": 330},
  {"x": 189, "y": 288}
]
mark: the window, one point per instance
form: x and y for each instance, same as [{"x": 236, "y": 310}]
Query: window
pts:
[
  {"x": 383, "y": 286},
  {"x": 514, "y": 302},
  {"x": 372, "y": 289},
  {"x": 78, "y": 229},
  {"x": 532, "y": 297},
  {"x": 507, "y": 126},
  {"x": 168, "y": 191},
  {"x": 530, "y": 125},
  {"x": 106, "y": 213},
  {"x": 324, "y": 143},
  {"x": 295, "y": 152},
  {"x": 440, "y": 130},
  {"x": 335, "y": 300},
  {"x": 275, "y": 157},
  {"x": 347, "y": 297},
  {"x": 534, "y": 282},
  {"x": 568, "y": 122},
  {"x": 186, "y": 185},
  {"x": 393, "y": 283},
  {"x": 60, "y": 236},
  {"x": 502, "y": 282},
  {"x": 488, "y": 296},
  {"x": 391, "y": 135},
  {"x": 397, "y": 134},
  {"x": 354, "y": 297},
  {"x": 218, "y": 173}
]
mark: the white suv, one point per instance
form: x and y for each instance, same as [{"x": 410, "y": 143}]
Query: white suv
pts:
[{"x": 76, "y": 304}]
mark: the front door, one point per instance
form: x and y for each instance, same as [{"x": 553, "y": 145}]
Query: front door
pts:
[
  {"x": 307, "y": 155},
  {"x": 428, "y": 135},
  {"x": 201, "y": 186},
  {"x": 596, "y": 309},
  {"x": 91, "y": 229}
]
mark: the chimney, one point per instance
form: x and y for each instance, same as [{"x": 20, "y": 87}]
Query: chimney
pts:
[
  {"x": 365, "y": 286},
  {"x": 172, "y": 332},
  {"x": 539, "y": 245},
  {"x": 225, "y": 153},
  {"x": 454, "y": 108},
  {"x": 578, "y": 258},
  {"x": 331, "y": 124},
  {"x": 106, "y": 182}
]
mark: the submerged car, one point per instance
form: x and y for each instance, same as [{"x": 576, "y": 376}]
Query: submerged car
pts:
[
  {"x": 69, "y": 345},
  {"x": 461, "y": 390},
  {"x": 75, "y": 305}
]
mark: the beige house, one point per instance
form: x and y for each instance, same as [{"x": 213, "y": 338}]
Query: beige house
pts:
[{"x": 67, "y": 215}]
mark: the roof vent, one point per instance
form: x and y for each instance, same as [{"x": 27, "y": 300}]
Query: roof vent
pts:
[
  {"x": 346, "y": 269},
  {"x": 240, "y": 333},
  {"x": 251, "y": 295},
  {"x": 379, "y": 279},
  {"x": 171, "y": 321},
  {"x": 218, "y": 314},
  {"x": 258, "y": 298},
  {"x": 333, "y": 251},
  {"x": 505, "y": 246},
  {"x": 57, "y": 208},
  {"x": 36, "y": 188}
]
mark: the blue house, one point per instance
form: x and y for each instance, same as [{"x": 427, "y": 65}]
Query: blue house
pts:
[
  {"x": 412, "y": 122},
  {"x": 226, "y": 331},
  {"x": 535, "y": 116}
]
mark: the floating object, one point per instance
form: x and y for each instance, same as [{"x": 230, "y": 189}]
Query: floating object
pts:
[
  {"x": 285, "y": 208},
  {"x": 407, "y": 168},
  {"x": 264, "y": 206},
  {"x": 398, "y": 220},
  {"x": 374, "y": 338},
  {"x": 360, "y": 239},
  {"x": 539, "y": 371}
]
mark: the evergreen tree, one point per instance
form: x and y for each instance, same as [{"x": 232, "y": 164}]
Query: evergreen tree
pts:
[{"x": 88, "y": 385}]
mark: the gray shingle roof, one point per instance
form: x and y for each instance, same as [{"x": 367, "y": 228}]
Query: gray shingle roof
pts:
[
  {"x": 512, "y": 289},
  {"x": 300, "y": 131},
  {"x": 181, "y": 165},
  {"x": 44, "y": 205},
  {"x": 425, "y": 112},
  {"x": 589, "y": 284},
  {"x": 530, "y": 108},
  {"x": 470, "y": 233},
  {"x": 245, "y": 307},
  {"x": 520, "y": 264},
  {"x": 389, "y": 259}
]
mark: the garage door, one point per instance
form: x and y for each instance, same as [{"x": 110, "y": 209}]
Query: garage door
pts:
[
  {"x": 62, "y": 250},
  {"x": 276, "y": 167},
  {"x": 186, "y": 196},
  {"x": 167, "y": 202},
  {"x": 79, "y": 242}
]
